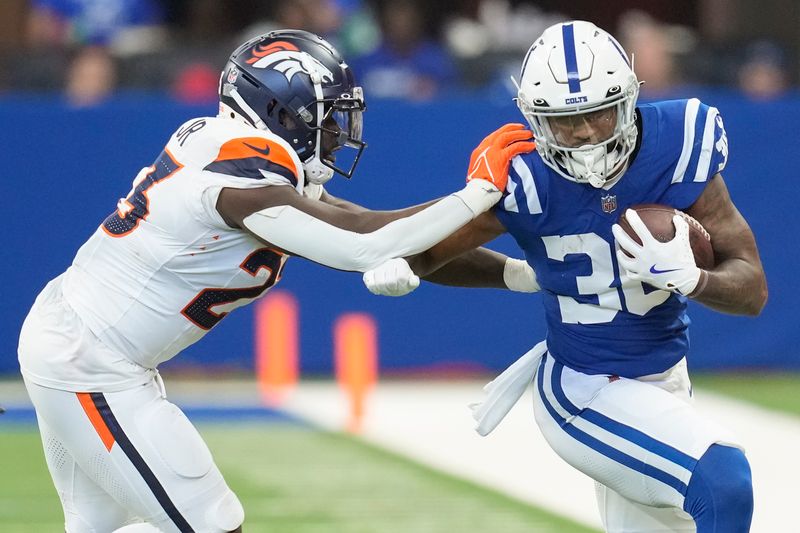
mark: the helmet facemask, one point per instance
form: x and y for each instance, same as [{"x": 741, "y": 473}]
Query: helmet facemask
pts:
[
  {"x": 339, "y": 133},
  {"x": 586, "y": 144}
]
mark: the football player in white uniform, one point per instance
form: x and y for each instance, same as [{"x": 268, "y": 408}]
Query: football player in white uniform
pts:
[
  {"x": 612, "y": 395},
  {"x": 205, "y": 229}
]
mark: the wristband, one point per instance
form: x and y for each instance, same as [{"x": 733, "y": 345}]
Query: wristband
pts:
[{"x": 701, "y": 285}]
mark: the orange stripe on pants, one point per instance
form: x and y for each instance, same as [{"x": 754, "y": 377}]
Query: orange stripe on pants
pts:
[{"x": 97, "y": 421}]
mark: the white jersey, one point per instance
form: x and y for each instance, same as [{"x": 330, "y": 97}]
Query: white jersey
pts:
[{"x": 164, "y": 268}]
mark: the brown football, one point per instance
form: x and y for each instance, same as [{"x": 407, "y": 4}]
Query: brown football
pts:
[{"x": 658, "y": 219}]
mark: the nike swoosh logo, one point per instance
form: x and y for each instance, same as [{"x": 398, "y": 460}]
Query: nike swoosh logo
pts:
[
  {"x": 654, "y": 270},
  {"x": 263, "y": 151}
]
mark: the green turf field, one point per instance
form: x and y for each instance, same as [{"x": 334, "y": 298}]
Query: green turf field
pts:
[
  {"x": 297, "y": 480},
  {"x": 292, "y": 479},
  {"x": 780, "y": 392}
]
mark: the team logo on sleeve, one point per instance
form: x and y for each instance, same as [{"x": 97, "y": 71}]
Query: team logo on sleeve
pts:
[{"x": 287, "y": 59}]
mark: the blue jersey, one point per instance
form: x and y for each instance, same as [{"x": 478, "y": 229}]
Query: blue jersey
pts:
[{"x": 598, "y": 320}]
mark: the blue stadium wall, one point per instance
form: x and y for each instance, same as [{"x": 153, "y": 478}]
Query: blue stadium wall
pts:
[{"x": 63, "y": 171}]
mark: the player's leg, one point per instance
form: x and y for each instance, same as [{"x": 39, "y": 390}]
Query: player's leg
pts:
[
  {"x": 143, "y": 451},
  {"x": 87, "y": 506},
  {"x": 184, "y": 488},
  {"x": 637, "y": 439},
  {"x": 720, "y": 493},
  {"x": 620, "y": 514}
]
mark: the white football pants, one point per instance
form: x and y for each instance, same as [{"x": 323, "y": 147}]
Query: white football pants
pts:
[
  {"x": 639, "y": 439},
  {"x": 122, "y": 457}
]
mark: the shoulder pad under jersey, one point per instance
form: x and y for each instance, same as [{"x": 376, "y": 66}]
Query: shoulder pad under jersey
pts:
[
  {"x": 236, "y": 149},
  {"x": 521, "y": 194},
  {"x": 701, "y": 149}
]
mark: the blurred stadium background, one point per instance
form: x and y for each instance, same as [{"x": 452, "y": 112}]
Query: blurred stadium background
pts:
[{"x": 89, "y": 92}]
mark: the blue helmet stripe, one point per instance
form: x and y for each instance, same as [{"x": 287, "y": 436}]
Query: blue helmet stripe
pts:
[
  {"x": 619, "y": 49},
  {"x": 574, "y": 80},
  {"x": 525, "y": 62}
]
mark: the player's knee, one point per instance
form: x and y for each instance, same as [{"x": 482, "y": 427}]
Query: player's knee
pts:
[
  {"x": 721, "y": 491},
  {"x": 228, "y": 514}
]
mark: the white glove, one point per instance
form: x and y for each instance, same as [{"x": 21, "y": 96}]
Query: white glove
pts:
[
  {"x": 519, "y": 276},
  {"x": 392, "y": 278},
  {"x": 668, "y": 266}
]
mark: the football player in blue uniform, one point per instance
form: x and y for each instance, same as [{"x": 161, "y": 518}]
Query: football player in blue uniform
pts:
[{"x": 612, "y": 395}]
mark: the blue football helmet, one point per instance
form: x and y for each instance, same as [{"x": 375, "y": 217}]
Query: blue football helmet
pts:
[{"x": 296, "y": 85}]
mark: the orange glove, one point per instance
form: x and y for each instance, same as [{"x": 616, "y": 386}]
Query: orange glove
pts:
[{"x": 491, "y": 158}]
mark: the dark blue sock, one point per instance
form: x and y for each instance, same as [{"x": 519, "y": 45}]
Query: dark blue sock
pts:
[{"x": 720, "y": 493}]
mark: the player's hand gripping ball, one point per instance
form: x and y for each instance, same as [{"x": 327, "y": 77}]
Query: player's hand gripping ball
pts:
[
  {"x": 490, "y": 160},
  {"x": 664, "y": 247},
  {"x": 658, "y": 219}
]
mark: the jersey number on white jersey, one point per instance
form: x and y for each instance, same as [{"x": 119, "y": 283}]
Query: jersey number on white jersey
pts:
[
  {"x": 200, "y": 311},
  {"x": 135, "y": 208}
]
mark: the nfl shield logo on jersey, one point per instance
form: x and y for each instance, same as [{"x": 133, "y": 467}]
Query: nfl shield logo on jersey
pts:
[{"x": 609, "y": 203}]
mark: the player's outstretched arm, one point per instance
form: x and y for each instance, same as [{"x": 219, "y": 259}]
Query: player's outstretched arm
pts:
[
  {"x": 737, "y": 283},
  {"x": 342, "y": 239},
  {"x": 345, "y": 238},
  {"x": 457, "y": 261},
  {"x": 375, "y": 219}
]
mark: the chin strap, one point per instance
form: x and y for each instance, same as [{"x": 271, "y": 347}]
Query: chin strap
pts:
[{"x": 317, "y": 172}]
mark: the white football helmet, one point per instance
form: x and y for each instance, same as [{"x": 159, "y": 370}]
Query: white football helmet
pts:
[{"x": 578, "y": 91}]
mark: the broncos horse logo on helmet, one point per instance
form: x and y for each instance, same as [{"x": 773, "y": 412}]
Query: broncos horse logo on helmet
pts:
[
  {"x": 296, "y": 85},
  {"x": 285, "y": 57}
]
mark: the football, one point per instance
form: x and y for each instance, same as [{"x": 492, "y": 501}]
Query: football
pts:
[{"x": 658, "y": 219}]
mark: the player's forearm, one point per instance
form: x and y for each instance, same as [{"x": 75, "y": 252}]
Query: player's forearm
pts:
[
  {"x": 734, "y": 286},
  {"x": 480, "y": 267},
  {"x": 372, "y": 220},
  {"x": 476, "y": 268}
]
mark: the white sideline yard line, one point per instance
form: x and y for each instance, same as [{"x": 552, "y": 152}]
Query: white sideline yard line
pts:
[{"x": 430, "y": 423}]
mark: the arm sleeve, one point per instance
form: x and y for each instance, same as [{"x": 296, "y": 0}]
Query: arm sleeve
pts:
[{"x": 301, "y": 234}]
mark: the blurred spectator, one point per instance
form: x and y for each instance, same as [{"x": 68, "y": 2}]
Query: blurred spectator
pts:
[
  {"x": 763, "y": 73},
  {"x": 100, "y": 33},
  {"x": 91, "y": 77},
  {"x": 488, "y": 37},
  {"x": 407, "y": 63},
  {"x": 126, "y": 26},
  {"x": 323, "y": 17},
  {"x": 652, "y": 47},
  {"x": 496, "y": 25},
  {"x": 359, "y": 33},
  {"x": 196, "y": 83}
]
